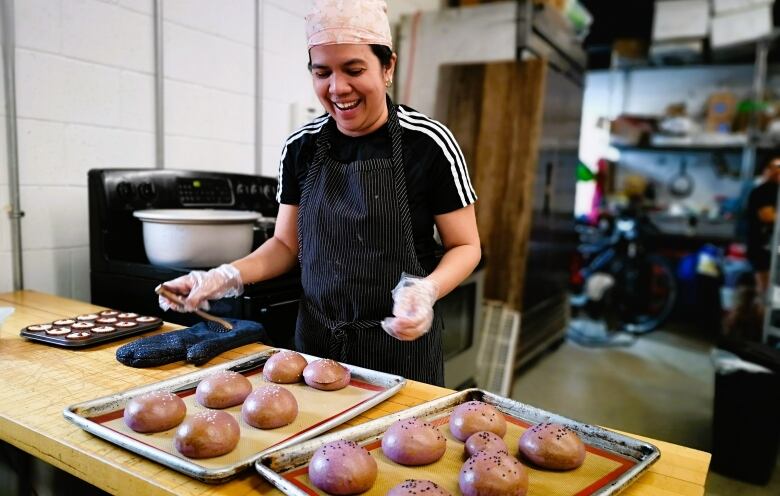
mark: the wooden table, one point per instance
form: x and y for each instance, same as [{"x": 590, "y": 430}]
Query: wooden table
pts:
[{"x": 38, "y": 381}]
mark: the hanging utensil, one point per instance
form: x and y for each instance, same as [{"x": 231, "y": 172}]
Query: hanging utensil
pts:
[{"x": 681, "y": 184}]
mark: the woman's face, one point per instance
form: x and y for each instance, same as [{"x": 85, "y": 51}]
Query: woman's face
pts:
[{"x": 350, "y": 82}]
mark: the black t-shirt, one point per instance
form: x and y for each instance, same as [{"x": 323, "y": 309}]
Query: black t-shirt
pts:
[
  {"x": 759, "y": 234},
  {"x": 437, "y": 180}
]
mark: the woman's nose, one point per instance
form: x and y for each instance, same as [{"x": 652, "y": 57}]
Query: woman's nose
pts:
[{"x": 338, "y": 85}]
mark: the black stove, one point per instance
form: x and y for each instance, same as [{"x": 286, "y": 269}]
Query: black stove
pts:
[{"x": 120, "y": 273}]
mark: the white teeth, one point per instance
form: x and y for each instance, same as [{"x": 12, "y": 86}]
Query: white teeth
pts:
[{"x": 346, "y": 106}]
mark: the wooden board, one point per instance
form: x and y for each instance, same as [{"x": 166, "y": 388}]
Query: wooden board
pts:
[
  {"x": 39, "y": 381},
  {"x": 500, "y": 137}
]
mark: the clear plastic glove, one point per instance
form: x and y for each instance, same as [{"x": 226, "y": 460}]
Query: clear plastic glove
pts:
[
  {"x": 199, "y": 286},
  {"x": 413, "y": 308}
]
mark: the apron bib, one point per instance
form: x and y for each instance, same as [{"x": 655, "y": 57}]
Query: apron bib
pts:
[{"x": 355, "y": 239}]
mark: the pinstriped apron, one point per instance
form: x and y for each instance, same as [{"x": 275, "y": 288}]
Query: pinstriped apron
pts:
[{"x": 355, "y": 239}]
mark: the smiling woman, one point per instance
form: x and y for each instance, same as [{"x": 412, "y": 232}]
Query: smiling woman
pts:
[
  {"x": 350, "y": 82},
  {"x": 361, "y": 189}
]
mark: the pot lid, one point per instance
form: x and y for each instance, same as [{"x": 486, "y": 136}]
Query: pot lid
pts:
[{"x": 196, "y": 216}]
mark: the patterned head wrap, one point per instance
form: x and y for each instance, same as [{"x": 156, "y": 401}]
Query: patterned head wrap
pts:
[{"x": 360, "y": 22}]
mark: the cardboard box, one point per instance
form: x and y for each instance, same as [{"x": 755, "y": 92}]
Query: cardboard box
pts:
[
  {"x": 681, "y": 19},
  {"x": 720, "y": 7},
  {"x": 721, "y": 109},
  {"x": 741, "y": 26},
  {"x": 677, "y": 52},
  {"x": 557, "y": 4},
  {"x": 631, "y": 130}
]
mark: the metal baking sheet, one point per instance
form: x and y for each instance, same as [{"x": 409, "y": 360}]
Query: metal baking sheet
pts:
[
  {"x": 613, "y": 460},
  {"x": 103, "y": 416}
]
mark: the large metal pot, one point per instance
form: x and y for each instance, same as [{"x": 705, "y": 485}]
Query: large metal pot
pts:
[{"x": 196, "y": 237}]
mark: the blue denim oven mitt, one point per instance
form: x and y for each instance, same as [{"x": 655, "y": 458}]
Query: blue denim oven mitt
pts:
[{"x": 197, "y": 344}]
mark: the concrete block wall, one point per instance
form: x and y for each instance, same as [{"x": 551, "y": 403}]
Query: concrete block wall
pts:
[
  {"x": 85, "y": 99},
  {"x": 209, "y": 65},
  {"x": 84, "y": 94},
  {"x": 284, "y": 77},
  {"x": 6, "y": 274}
]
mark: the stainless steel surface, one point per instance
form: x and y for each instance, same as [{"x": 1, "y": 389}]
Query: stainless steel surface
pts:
[
  {"x": 542, "y": 31},
  {"x": 81, "y": 413},
  {"x": 460, "y": 363},
  {"x": 271, "y": 464},
  {"x": 159, "y": 87},
  {"x": 185, "y": 216},
  {"x": 196, "y": 237},
  {"x": 9, "y": 78}
]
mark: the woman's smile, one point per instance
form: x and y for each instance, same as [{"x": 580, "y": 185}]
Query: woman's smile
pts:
[{"x": 349, "y": 81}]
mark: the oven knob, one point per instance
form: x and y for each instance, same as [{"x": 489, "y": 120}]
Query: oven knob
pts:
[
  {"x": 240, "y": 189},
  {"x": 124, "y": 190},
  {"x": 146, "y": 191},
  {"x": 269, "y": 191},
  {"x": 253, "y": 189}
]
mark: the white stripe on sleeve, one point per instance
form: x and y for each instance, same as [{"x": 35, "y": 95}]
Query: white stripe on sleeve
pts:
[
  {"x": 310, "y": 128},
  {"x": 461, "y": 177},
  {"x": 405, "y": 123}
]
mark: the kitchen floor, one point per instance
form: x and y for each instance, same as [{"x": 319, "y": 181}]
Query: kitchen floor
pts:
[{"x": 661, "y": 386}]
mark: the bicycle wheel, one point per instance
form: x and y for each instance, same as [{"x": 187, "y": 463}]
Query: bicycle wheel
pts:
[{"x": 654, "y": 297}]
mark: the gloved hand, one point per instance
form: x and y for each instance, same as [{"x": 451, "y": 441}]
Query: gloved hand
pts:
[
  {"x": 413, "y": 308},
  {"x": 197, "y": 344},
  {"x": 197, "y": 287}
]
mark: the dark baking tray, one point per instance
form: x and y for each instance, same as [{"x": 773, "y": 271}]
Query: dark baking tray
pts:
[{"x": 42, "y": 337}]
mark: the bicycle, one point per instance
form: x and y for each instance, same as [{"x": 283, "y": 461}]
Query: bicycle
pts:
[{"x": 638, "y": 288}]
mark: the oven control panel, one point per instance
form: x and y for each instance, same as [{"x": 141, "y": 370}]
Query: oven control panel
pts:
[
  {"x": 127, "y": 190},
  {"x": 205, "y": 192}
]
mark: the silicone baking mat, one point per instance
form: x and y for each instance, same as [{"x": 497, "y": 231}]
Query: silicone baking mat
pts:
[
  {"x": 314, "y": 408},
  {"x": 318, "y": 411},
  {"x": 612, "y": 460},
  {"x": 599, "y": 469}
]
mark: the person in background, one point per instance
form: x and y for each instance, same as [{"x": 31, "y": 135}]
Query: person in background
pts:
[
  {"x": 361, "y": 189},
  {"x": 761, "y": 214},
  {"x": 745, "y": 321}
]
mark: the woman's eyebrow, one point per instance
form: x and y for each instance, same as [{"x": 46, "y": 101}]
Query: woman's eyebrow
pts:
[{"x": 345, "y": 64}]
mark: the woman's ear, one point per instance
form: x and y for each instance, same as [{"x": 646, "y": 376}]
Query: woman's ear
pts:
[{"x": 390, "y": 68}]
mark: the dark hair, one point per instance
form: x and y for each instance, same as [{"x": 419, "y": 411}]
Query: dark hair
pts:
[{"x": 383, "y": 53}]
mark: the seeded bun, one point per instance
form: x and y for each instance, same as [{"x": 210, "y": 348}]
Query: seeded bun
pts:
[
  {"x": 342, "y": 467},
  {"x": 493, "y": 474},
  {"x": 269, "y": 407},
  {"x": 285, "y": 367},
  {"x": 223, "y": 390},
  {"x": 417, "y": 487},
  {"x": 326, "y": 374},
  {"x": 474, "y": 416},
  {"x": 154, "y": 412},
  {"x": 207, "y": 434},
  {"x": 484, "y": 441},
  {"x": 413, "y": 442},
  {"x": 552, "y": 446}
]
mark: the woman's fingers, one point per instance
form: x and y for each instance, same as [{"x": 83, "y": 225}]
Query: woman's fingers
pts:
[{"x": 404, "y": 329}]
